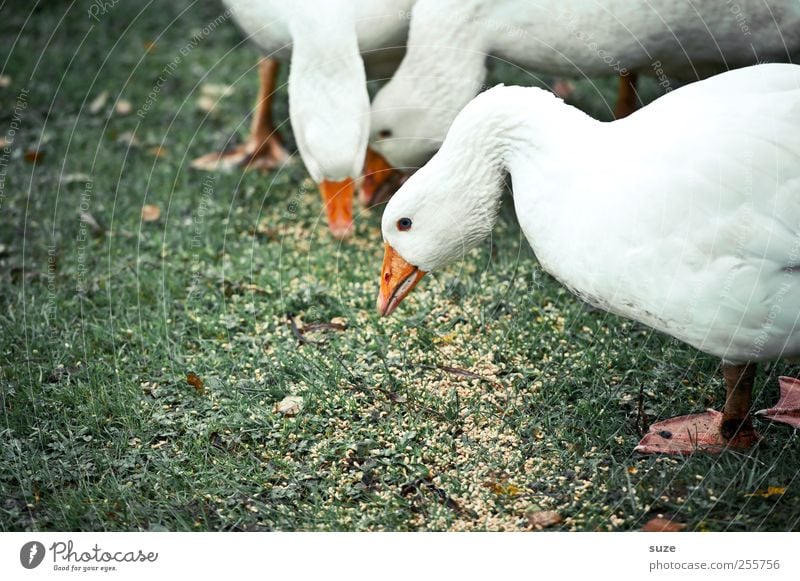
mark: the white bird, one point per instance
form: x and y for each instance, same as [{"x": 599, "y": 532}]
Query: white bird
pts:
[
  {"x": 449, "y": 42},
  {"x": 684, "y": 216},
  {"x": 328, "y": 100}
]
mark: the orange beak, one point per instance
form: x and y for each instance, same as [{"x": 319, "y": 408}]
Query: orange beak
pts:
[
  {"x": 338, "y": 200},
  {"x": 398, "y": 278},
  {"x": 377, "y": 172}
]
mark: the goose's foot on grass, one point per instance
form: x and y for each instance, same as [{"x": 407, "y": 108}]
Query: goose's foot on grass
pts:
[
  {"x": 711, "y": 432},
  {"x": 265, "y": 156},
  {"x": 787, "y": 410},
  {"x": 707, "y": 432},
  {"x": 263, "y": 149}
]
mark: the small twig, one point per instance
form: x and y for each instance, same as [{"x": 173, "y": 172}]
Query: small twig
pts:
[
  {"x": 298, "y": 334},
  {"x": 311, "y": 327},
  {"x": 641, "y": 419}
]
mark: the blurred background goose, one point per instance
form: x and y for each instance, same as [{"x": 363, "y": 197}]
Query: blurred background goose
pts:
[
  {"x": 696, "y": 234},
  {"x": 449, "y": 40},
  {"x": 328, "y": 100}
]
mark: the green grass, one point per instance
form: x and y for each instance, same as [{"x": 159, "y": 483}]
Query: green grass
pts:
[{"x": 101, "y": 431}]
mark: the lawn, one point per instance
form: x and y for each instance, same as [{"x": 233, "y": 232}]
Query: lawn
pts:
[{"x": 145, "y": 354}]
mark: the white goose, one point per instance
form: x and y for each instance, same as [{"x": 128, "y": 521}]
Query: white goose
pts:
[
  {"x": 328, "y": 100},
  {"x": 684, "y": 216},
  {"x": 449, "y": 40}
]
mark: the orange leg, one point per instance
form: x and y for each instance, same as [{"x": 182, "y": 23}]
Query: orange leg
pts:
[
  {"x": 263, "y": 148},
  {"x": 627, "y": 97}
]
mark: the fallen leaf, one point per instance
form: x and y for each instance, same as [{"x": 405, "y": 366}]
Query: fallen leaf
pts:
[
  {"x": 150, "y": 46},
  {"x": 662, "y": 525},
  {"x": 158, "y": 151},
  {"x": 503, "y": 488},
  {"x": 33, "y": 155},
  {"x": 446, "y": 338},
  {"x": 98, "y": 103},
  {"x": 123, "y": 107},
  {"x": 194, "y": 380},
  {"x": 770, "y": 491},
  {"x": 632, "y": 470},
  {"x": 150, "y": 213},
  {"x": 542, "y": 519},
  {"x": 290, "y": 405},
  {"x": 5, "y": 81},
  {"x": 207, "y": 103}
]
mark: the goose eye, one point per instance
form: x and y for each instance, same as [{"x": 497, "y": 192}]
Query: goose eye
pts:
[
  {"x": 384, "y": 133},
  {"x": 404, "y": 224}
]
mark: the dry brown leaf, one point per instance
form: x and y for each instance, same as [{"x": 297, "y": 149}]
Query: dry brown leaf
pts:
[
  {"x": 98, "y": 103},
  {"x": 158, "y": 151},
  {"x": 290, "y": 405},
  {"x": 503, "y": 488},
  {"x": 150, "y": 46},
  {"x": 150, "y": 213},
  {"x": 542, "y": 519},
  {"x": 662, "y": 525},
  {"x": 194, "y": 380},
  {"x": 770, "y": 491},
  {"x": 123, "y": 107},
  {"x": 33, "y": 155},
  {"x": 446, "y": 338}
]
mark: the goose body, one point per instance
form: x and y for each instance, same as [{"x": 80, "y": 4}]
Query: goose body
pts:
[
  {"x": 684, "y": 216},
  {"x": 449, "y": 41},
  {"x": 709, "y": 252},
  {"x": 380, "y": 26}
]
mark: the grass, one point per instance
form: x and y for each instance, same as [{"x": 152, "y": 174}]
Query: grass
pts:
[{"x": 492, "y": 393}]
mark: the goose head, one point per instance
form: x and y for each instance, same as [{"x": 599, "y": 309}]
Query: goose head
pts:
[
  {"x": 406, "y": 130},
  {"x": 440, "y": 213},
  {"x": 329, "y": 112}
]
